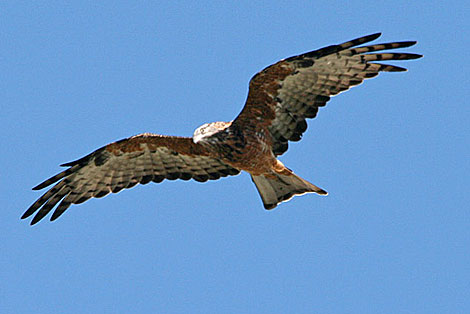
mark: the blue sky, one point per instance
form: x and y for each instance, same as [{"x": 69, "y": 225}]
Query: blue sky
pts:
[{"x": 393, "y": 236}]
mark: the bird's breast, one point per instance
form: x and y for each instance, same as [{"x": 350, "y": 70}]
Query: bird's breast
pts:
[{"x": 246, "y": 149}]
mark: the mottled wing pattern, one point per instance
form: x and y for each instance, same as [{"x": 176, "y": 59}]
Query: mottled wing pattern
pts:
[
  {"x": 283, "y": 95},
  {"x": 140, "y": 159}
]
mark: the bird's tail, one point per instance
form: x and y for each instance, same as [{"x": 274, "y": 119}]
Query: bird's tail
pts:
[{"x": 278, "y": 188}]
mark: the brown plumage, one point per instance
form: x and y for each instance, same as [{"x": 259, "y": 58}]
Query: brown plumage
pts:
[{"x": 280, "y": 99}]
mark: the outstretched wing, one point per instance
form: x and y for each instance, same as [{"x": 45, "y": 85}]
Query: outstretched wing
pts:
[
  {"x": 283, "y": 95},
  {"x": 123, "y": 164}
]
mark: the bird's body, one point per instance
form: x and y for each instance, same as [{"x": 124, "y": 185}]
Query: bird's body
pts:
[
  {"x": 281, "y": 97},
  {"x": 247, "y": 149}
]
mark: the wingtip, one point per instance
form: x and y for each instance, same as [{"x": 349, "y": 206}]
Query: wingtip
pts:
[
  {"x": 408, "y": 43},
  {"x": 24, "y": 216},
  {"x": 37, "y": 187},
  {"x": 365, "y": 39},
  {"x": 371, "y": 37},
  {"x": 42, "y": 185},
  {"x": 374, "y": 36},
  {"x": 395, "y": 68},
  {"x": 35, "y": 220},
  {"x": 416, "y": 56}
]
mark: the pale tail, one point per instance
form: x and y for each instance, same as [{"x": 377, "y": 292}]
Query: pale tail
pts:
[{"x": 282, "y": 188}]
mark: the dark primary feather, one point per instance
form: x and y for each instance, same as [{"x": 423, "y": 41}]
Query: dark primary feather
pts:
[
  {"x": 123, "y": 164},
  {"x": 287, "y": 93}
]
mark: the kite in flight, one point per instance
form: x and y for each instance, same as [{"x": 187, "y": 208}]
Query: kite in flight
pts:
[{"x": 280, "y": 99}]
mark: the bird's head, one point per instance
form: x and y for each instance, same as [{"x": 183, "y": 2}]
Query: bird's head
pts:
[{"x": 208, "y": 129}]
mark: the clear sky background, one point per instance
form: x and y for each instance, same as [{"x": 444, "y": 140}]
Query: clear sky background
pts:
[{"x": 393, "y": 236}]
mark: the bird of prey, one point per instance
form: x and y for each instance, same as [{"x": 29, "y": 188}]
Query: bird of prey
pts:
[{"x": 280, "y": 99}]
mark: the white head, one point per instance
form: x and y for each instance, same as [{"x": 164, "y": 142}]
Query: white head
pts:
[{"x": 208, "y": 129}]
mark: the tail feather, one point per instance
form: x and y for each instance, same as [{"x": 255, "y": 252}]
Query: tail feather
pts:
[{"x": 282, "y": 187}]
